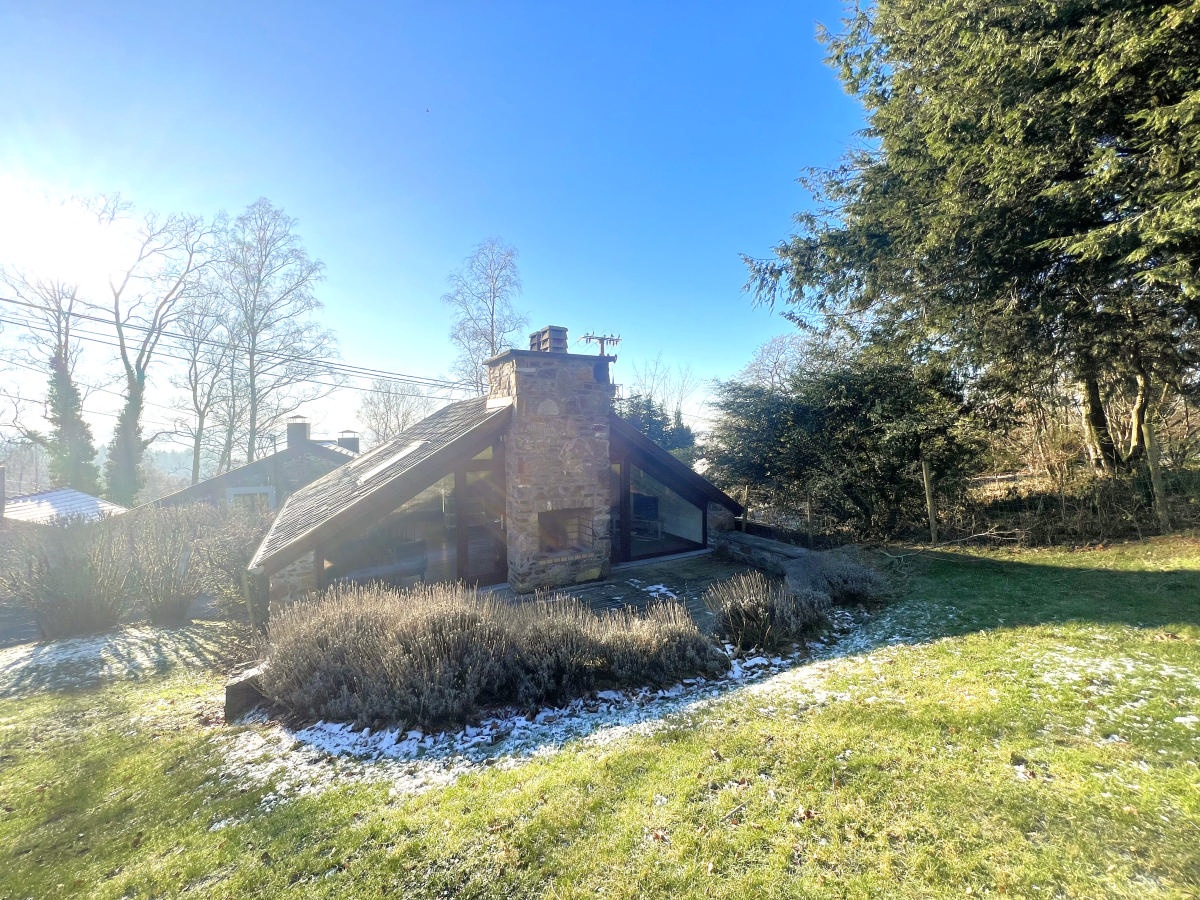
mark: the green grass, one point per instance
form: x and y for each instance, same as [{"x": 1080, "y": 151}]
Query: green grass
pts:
[{"x": 1022, "y": 743}]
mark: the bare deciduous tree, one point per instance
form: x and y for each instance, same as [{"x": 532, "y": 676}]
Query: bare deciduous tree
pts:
[
  {"x": 481, "y": 298},
  {"x": 27, "y": 464},
  {"x": 146, "y": 297},
  {"x": 667, "y": 386},
  {"x": 267, "y": 279},
  {"x": 207, "y": 344},
  {"x": 776, "y": 361},
  {"x": 49, "y": 310},
  {"x": 392, "y": 407}
]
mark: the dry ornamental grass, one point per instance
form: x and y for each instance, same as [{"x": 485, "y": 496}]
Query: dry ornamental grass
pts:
[{"x": 437, "y": 654}]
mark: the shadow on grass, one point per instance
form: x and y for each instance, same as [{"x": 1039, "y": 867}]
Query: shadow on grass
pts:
[
  {"x": 130, "y": 653},
  {"x": 957, "y": 593}
]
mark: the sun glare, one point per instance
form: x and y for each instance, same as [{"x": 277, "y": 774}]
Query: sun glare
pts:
[{"x": 42, "y": 237}]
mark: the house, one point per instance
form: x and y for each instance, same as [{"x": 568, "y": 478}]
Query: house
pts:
[
  {"x": 539, "y": 484},
  {"x": 270, "y": 480},
  {"x": 56, "y": 507}
]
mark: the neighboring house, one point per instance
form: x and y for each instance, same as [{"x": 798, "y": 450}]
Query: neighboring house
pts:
[
  {"x": 57, "y": 506},
  {"x": 270, "y": 480},
  {"x": 539, "y": 484}
]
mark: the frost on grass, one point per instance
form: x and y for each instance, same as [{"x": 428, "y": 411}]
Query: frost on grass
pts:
[
  {"x": 1121, "y": 691},
  {"x": 307, "y": 760},
  {"x": 298, "y": 762}
]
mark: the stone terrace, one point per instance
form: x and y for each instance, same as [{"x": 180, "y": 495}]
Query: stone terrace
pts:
[{"x": 637, "y": 583}]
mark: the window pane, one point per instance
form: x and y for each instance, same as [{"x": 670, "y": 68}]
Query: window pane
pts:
[{"x": 662, "y": 522}]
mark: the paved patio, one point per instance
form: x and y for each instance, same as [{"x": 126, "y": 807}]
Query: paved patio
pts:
[{"x": 635, "y": 584}]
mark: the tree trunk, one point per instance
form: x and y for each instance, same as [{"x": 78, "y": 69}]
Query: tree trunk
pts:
[
  {"x": 930, "y": 503},
  {"x": 197, "y": 441},
  {"x": 808, "y": 517},
  {"x": 1137, "y": 419},
  {"x": 1096, "y": 421},
  {"x": 252, "y": 406},
  {"x": 1161, "y": 509}
]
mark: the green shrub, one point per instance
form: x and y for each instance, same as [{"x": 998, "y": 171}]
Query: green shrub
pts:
[
  {"x": 74, "y": 577},
  {"x": 435, "y": 654},
  {"x": 751, "y": 610},
  {"x": 79, "y": 577}
]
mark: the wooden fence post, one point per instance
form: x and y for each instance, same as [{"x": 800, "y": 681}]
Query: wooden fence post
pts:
[{"x": 930, "y": 503}]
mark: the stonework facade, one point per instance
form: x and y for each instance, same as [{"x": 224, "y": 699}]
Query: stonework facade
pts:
[
  {"x": 538, "y": 482},
  {"x": 557, "y": 467},
  {"x": 720, "y": 518},
  {"x": 293, "y": 582}
]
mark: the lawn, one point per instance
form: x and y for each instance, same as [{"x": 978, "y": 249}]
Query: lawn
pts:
[{"x": 1020, "y": 724}]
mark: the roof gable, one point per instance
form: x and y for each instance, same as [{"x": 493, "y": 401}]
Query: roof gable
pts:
[
  {"x": 666, "y": 468},
  {"x": 328, "y": 451},
  {"x": 377, "y": 480}
]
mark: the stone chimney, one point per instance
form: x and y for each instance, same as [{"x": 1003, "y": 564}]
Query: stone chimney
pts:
[
  {"x": 297, "y": 432},
  {"x": 557, "y": 468},
  {"x": 348, "y": 440}
]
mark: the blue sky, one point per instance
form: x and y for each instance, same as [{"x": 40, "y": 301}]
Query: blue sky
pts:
[{"x": 630, "y": 152}]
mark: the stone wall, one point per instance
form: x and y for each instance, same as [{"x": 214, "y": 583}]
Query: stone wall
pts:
[
  {"x": 720, "y": 520},
  {"x": 556, "y": 458},
  {"x": 294, "y": 581}
]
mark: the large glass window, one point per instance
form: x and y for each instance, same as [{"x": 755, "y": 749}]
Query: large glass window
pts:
[
  {"x": 661, "y": 521},
  {"x": 416, "y": 542},
  {"x": 452, "y": 530},
  {"x": 482, "y": 518}
]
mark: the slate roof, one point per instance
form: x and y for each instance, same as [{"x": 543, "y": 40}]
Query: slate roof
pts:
[
  {"x": 50, "y": 507},
  {"x": 383, "y": 477},
  {"x": 332, "y": 451}
]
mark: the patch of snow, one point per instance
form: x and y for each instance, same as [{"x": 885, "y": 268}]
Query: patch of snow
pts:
[
  {"x": 657, "y": 591},
  {"x": 296, "y": 763}
]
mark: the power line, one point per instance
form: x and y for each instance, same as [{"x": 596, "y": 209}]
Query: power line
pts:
[
  {"x": 332, "y": 366},
  {"x": 93, "y": 337},
  {"x": 90, "y": 387}
]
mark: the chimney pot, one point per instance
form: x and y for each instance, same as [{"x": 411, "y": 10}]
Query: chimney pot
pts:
[
  {"x": 297, "y": 431},
  {"x": 551, "y": 339}
]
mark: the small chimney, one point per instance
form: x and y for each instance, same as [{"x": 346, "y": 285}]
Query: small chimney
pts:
[
  {"x": 297, "y": 432},
  {"x": 551, "y": 339},
  {"x": 348, "y": 440}
]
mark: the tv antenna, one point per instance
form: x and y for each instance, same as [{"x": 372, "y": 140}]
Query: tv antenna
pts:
[{"x": 602, "y": 340}]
